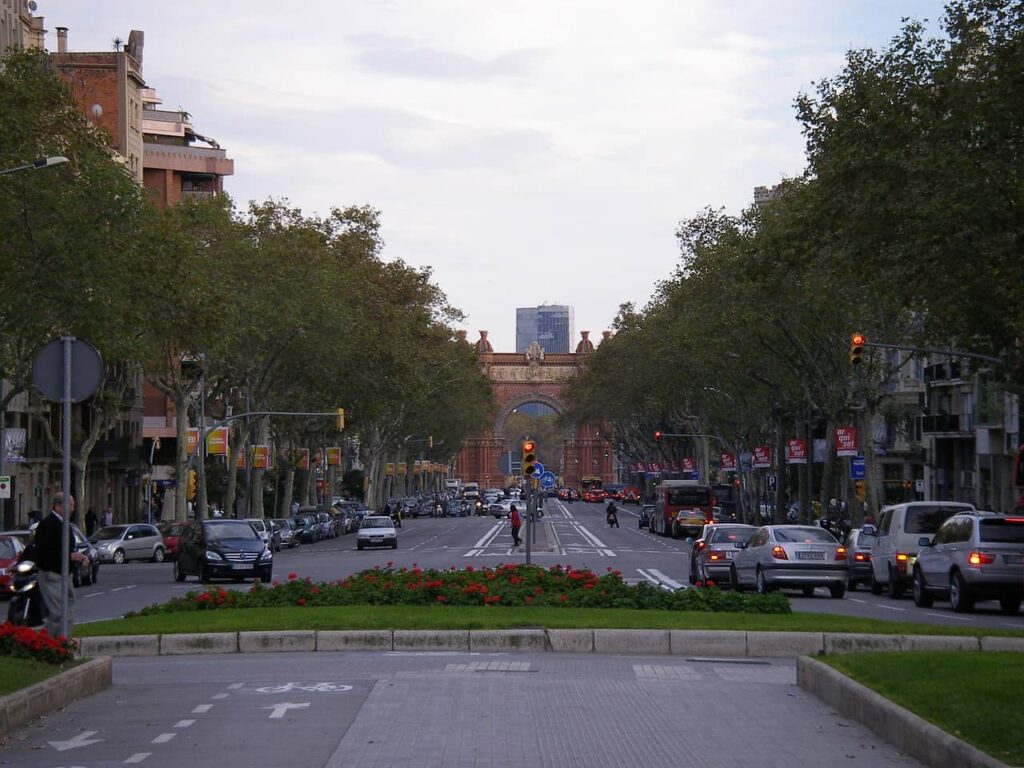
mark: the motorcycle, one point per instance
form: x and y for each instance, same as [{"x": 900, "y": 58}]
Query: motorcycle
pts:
[
  {"x": 26, "y": 606},
  {"x": 613, "y": 520}
]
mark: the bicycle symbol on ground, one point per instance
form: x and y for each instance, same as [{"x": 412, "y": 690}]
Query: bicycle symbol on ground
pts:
[{"x": 311, "y": 687}]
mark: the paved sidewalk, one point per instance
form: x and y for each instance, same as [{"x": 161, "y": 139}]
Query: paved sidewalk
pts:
[{"x": 425, "y": 709}]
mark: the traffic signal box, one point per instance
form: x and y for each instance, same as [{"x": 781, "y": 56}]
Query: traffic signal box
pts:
[
  {"x": 657, "y": 435},
  {"x": 857, "y": 342},
  {"x": 190, "y": 489},
  {"x": 529, "y": 458},
  {"x": 341, "y": 418}
]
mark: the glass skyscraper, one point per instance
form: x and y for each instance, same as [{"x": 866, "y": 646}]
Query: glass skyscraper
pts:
[{"x": 550, "y": 325}]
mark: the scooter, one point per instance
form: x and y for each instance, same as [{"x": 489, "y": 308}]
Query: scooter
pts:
[
  {"x": 613, "y": 520},
  {"x": 26, "y": 606}
]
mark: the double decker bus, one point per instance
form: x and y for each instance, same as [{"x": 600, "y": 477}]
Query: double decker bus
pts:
[{"x": 682, "y": 508}]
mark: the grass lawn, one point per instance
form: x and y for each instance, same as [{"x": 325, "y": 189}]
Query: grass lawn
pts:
[
  {"x": 974, "y": 696},
  {"x": 492, "y": 617},
  {"x": 16, "y": 674}
]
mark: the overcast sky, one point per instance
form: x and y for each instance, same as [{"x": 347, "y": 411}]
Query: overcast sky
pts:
[{"x": 527, "y": 151}]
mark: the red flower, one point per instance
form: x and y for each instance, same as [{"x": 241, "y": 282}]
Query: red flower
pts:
[
  {"x": 562, "y": 598},
  {"x": 301, "y": 601},
  {"x": 528, "y": 599},
  {"x": 440, "y": 598},
  {"x": 292, "y": 576}
]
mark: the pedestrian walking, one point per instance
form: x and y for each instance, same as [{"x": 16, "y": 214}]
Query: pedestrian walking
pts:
[
  {"x": 515, "y": 521},
  {"x": 50, "y": 556},
  {"x": 90, "y": 521},
  {"x": 108, "y": 517}
]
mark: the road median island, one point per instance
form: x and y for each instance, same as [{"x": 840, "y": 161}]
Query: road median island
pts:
[{"x": 85, "y": 679}]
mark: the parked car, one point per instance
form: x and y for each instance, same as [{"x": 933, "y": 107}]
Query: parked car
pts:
[
  {"x": 319, "y": 522},
  {"x": 305, "y": 528},
  {"x": 896, "y": 542},
  {"x": 220, "y": 548},
  {"x": 171, "y": 532},
  {"x": 973, "y": 556},
  {"x": 329, "y": 524},
  {"x": 377, "y": 531},
  {"x": 711, "y": 556},
  {"x": 267, "y": 531},
  {"x": 121, "y": 543},
  {"x": 289, "y": 535},
  {"x": 790, "y": 556},
  {"x": 858, "y": 556},
  {"x": 89, "y": 571},
  {"x": 10, "y": 549},
  {"x": 645, "y": 515}
]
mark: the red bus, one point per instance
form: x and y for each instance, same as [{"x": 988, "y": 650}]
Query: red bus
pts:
[{"x": 682, "y": 508}]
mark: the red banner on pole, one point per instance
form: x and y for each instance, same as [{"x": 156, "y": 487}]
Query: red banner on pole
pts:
[
  {"x": 728, "y": 462},
  {"x": 762, "y": 457},
  {"x": 688, "y": 464},
  {"x": 846, "y": 441},
  {"x": 796, "y": 450}
]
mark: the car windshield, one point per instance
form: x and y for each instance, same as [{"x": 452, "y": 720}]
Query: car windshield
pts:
[
  {"x": 688, "y": 498},
  {"x": 8, "y": 549},
  {"x": 730, "y": 535},
  {"x": 377, "y": 522},
  {"x": 283, "y": 523},
  {"x": 219, "y": 531},
  {"x": 1003, "y": 530},
  {"x": 927, "y": 519},
  {"x": 108, "y": 533},
  {"x": 804, "y": 536}
]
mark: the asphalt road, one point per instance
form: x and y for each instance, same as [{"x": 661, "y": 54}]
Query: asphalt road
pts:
[
  {"x": 420, "y": 710},
  {"x": 580, "y": 538}
]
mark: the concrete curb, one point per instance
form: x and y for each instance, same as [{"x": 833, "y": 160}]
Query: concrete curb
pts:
[
  {"x": 896, "y": 725},
  {"x": 40, "y": 699},
  {"x": 676, "y": 642}
]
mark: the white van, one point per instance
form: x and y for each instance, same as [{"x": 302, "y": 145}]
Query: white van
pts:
[
  {"x": 894, "y": 542},
  {"x": 471, "y": 491}
]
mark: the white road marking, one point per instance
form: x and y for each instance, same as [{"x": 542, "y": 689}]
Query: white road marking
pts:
[
  {"x": 236, "y": 686},
  {"x": 93, "y": 594},
  {"x": 163, "y": 738},
  {"x": 648, "y": 577},
  {"x": 947, "y": 616},
  {"x": 219, "y": 696},
  {"x": 856, "y": 600},
  {"x": 280, "y": 709},
  {"x": 487, "y": 536},
  {"x": 81, "y": 740},
  {"x": 665, "y": 579},
  {"x": 138, "y": 757},
  {"x": 202, "y": 709},
  {"x": 891, "y": 607},
  {"x": 183, "y": 723}
]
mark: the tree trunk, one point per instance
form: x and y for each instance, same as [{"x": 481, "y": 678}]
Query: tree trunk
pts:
[
  {"x": 181, "y": 456},
  {"x": 256, "y": 491},
  {"x": 286, "y": 497}
]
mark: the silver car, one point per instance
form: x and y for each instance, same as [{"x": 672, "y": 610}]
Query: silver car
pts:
[
  {"x": 712, "y": 555},
  {"x": 974, "y": 556},
  {"x": 792, "y": 557},
  {"x": 121, "y": 543},
  {"x": 377, "y": 531}
]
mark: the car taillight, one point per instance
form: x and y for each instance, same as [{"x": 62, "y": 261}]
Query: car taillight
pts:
[
  {"x": 981, "y": 558},
  {"x": 716, "y": 556},
  {"x": 861, "y": 557},
  {"x": 779, "y": 553},
  {"x": 901, "y": 561},
  {"x": 840, "y": 553}
]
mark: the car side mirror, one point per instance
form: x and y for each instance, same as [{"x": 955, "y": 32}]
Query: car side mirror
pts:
[{"x": 924, "y": 541}]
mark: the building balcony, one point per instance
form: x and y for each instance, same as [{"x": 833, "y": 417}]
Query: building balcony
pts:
[
  {"x": 188, "y": 159},
  {"x": 943, "y": 374},
  {"x": 946, "y": 425}
]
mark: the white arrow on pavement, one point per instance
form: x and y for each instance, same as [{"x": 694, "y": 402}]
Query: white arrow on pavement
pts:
[
  {"x": 81, "y": 740},
  {"x": 280, "y": 709}
]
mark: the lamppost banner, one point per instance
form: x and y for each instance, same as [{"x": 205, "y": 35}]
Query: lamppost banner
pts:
[
  {"x": 762, "y": 457},
  {"x": 389, "y": 469},
  {"x": 261, "y": 457},
  {"x": 334, "y": 457},
  {"x": 688, "y": 464},
  {"x": 796, "y": 450},
  {"x": 302, "y": 458},
  {"x": 846, "y": 441},
  {"x": 728, "y": 461}
]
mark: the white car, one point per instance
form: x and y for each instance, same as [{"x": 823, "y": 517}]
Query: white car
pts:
[{"x": 377, "y": 531}]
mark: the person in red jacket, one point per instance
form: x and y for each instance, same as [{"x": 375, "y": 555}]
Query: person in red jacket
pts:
[{"x": 515, "y": 522}]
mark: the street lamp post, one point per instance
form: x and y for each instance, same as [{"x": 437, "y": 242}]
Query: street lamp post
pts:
[{"x": 42, "y": 162}]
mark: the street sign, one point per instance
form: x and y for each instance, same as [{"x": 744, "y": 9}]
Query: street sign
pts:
[
  {"x": 772, "y": 483},
  {"x": 86, "y": 370},
  {"x": 857, "y": 468},
  {"x": 5, "y": 486},
  {"x": 539, "y": 469},
  {"x": 547, "y": 480}
]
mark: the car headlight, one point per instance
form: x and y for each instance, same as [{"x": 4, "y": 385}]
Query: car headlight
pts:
[
  {"x": 211, "y": 555},
  {"x": 267, "y": 555}
]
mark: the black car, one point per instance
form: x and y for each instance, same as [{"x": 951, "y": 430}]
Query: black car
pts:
[
  {"x": 87, "y": 572},
  {"x": 222, "y": 549},
  {"x": 306, "y": 528},
  {"x": 645, "y": 515}
]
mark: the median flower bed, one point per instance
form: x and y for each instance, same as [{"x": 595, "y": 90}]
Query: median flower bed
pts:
[
  {"x": 37, "y": 644},
  {"x": 505, "y": 585}
]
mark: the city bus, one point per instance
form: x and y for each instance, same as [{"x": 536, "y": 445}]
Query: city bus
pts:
[{"x": 682, "y": 508}]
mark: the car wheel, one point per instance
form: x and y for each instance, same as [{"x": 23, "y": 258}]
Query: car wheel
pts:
[
  {"x": 395, "y": 545},
  {"x": 895, "y": 588},
  {"x": 119, "y": 557},
  {"x": 851, "y": 583},
  {"x": 876, "y": 585},
  {"x": 158, "y": 555},
  {"x": 1009, "y": 605},
  {"x": 837, "y": 590},
  {"x": 76, "y": 577},
  {"x": 808, "y": 591},
  {"x": 762, "y": 583},
  {"x": 179, "y": 575},
  {"x": 960, "y": 598},
  {"x": 204, "y": 575},
  {"x": 734, "y": 579},
  {"x": 359, "y": 546},
  {"x": 922, "y": 598},
  {"x": 266, "y": 577}
]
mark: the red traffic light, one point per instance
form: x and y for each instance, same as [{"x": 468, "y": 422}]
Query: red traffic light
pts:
[
  {"x": 857, "y": 342},
  {"x": 657, "y": 435}
]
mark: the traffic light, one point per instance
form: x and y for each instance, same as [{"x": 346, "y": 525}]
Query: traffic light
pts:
[
  {"x": 190, "y": 489},
  {"x": 657, "y": 435},
  {"x": 341, "y": 419},
  {"x": 430, "y": 441},
  {"x": 529, "y": 458},
  {"x": 857, "y": 342}
]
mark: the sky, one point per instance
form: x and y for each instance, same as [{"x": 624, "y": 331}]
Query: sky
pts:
[{"x": 526, "y": 151}]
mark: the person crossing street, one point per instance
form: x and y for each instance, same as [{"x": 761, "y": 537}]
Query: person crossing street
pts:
[{"x": 515, "y": 521}]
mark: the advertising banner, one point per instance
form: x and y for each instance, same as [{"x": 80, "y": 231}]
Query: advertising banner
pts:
[
  {"x": 688, "y": 464},
  {"x": 762, "y": 457},
  {"x": 846, "y": 441},
  {"x": 301, "y": 457},
  {"x": 261, "y": 457},
  {"x": 334, "y": 457},
  {"x": 402, "y": 467},
  {"x": 728, "y": 462},
  {"x": 796, "y": 450},
  {"x": 389, "y": 469},
  {"x": 240, "y": 459},
  {"x": 416, "y": 465},
  {"x": 191, "y": 440},
  {"x": 217, "y": 442},
  {"x": 15, "y": 437}
]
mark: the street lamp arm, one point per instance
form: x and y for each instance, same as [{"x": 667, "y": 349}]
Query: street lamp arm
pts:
[{"x": 42, "y": 162}]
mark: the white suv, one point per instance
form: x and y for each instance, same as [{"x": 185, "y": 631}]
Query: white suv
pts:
[{"x": 894, "y": 543}]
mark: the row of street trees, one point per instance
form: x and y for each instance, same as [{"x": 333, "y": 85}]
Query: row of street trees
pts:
[
  {"x": 906, "y": 225},
  {"x": 273, "y": 309}
]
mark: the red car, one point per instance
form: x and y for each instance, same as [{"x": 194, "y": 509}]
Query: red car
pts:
[
  {"x": 170, "y": 532},
  {"x": 595, "y": 495},
  {"x": 10, "y": 548}
]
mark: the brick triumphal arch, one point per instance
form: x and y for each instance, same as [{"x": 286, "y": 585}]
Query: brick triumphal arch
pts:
[{"x": 533, "y": 377}]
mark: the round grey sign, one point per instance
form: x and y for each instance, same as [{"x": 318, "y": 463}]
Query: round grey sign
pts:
[{"x": 86, "y": 370}]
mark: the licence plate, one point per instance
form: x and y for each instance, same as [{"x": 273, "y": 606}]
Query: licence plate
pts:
[
  {"x": 730, "y": 554},
  {"x": 1013, "y": 559},
  {"x": 810, "y": 555},
  {"x": 241, "y": 566}
]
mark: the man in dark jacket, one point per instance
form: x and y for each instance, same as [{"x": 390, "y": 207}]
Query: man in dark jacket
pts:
[{"x": 50, "y": 555}]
